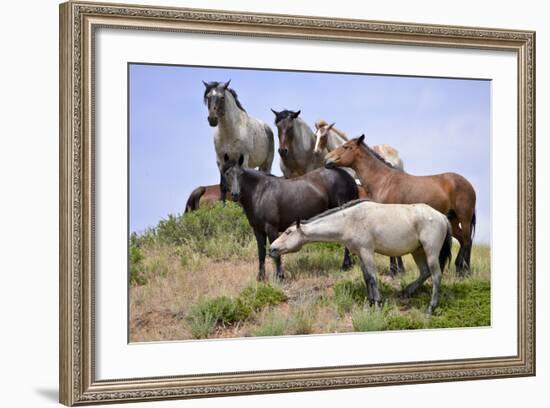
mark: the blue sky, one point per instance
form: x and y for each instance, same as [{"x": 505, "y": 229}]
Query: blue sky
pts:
[{"x": 436, "y": 124}]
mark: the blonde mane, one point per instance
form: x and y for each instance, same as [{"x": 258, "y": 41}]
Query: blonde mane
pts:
[{"x": 323, "y": 123}]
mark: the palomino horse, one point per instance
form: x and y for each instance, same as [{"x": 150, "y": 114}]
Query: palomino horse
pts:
[
  {"x": 449, "y": 193},
  {"x": 366, "y": 227},
  {"x": 296, "y": 143},
  {"x": 328, "y": 138},
  {"x": 202, "y": 195},
  {"x": 236, "y": 132},
  {"x": 271, "y": 203}
]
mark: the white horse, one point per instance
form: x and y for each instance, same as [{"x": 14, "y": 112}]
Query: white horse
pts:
[
  {"x": 328, "y": 138},
  {"x": 236, "y": 132},
  {"x": 366, "y": 227},
  {"x": 296, "y": 144}
]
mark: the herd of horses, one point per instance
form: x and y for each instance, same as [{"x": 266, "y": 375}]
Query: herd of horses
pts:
[{"x": 335, "y": 189}]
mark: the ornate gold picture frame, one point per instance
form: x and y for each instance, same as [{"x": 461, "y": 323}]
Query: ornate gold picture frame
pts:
[{"x": 78, "y": 24}]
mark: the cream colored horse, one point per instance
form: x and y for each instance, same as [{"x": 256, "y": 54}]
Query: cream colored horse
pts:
[
  {"x": 366, "y": 227},
  {"x": 328, "y": 138}
]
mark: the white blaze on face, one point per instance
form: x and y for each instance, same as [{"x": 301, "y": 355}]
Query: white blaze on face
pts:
[{"x": 318, "y": 134}]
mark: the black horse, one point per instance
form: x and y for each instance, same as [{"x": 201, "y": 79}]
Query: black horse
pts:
[{"x": 272, "y": 204}]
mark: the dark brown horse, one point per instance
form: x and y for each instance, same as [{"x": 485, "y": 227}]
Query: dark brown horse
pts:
[
  {"x": 204, "y": 195},
  {"x": 272, "y": 204},
  {"x": 448, "y": 193}
]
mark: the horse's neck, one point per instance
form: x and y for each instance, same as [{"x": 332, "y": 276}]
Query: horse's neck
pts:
[
  {"x": 304, "y": 138},
  {"x": 334, "y": 140},
  {"x": 371, "y": 172},
  {"x": 250, "y": 180},
  {"x": 233, "y": 119},
  {"x": 328, "y": 228}
]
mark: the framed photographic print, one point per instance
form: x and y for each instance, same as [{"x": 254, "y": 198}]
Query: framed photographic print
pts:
[{"x": 256, "y": 203}]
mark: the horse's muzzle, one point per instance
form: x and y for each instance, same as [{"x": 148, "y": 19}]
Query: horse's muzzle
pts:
[
  {"x": 329, "y": 164},
  {"x": 213, "y": 121},
  {"x": 235, "y": 196},
  {"x": 283, "y": 152},
  {"x": 273, "y": 253}
]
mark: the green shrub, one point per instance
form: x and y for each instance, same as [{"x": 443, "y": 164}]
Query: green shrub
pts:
[
  {"x": 272, "y": 325},
  {"x": 137, "y": 270},
  {"x": 206, "y": 223},
  {"x": 302, "y": 320},
  {"x": 348, "y": 294},
  {"x": 226, "y": 310},
  {"x": 371, "y": 319},
  {"x": 201, "y": 325},
  {"x": 223, "y": 310},
  {"x": 262, "y": 295}
]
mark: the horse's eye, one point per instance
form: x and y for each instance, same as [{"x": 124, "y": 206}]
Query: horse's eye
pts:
[{"x": 287, "y": 232}]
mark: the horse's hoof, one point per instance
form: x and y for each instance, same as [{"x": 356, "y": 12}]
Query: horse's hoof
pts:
[{"x": 346, "y": 267}]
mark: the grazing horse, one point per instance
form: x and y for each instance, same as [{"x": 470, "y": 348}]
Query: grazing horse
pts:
[
  {"x": 449, "y": 193},
  {"x": 236, "y": 132},
  {"x": 329, "y": 138},
  {"x": 271, "y": 203},
  {"x": 203, "y": 195},
  {"x": 296, "y": 143},
  {"x": 366, "y": 227}
]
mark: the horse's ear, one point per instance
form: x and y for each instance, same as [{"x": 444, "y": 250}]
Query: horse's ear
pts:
[
  {"x": 205, "y": 83},
  {"x": 331, "y": 125},
  {"x": 241, "y": 160},
  {"x": 274, "y": 112},
  {"x": 226, "y": 85},
  {"x": 360, "y": 139},
  {"x": 296, "y": 114},
  {"x": 298, "y": 223},
  {"x": 225, "y": 157}
]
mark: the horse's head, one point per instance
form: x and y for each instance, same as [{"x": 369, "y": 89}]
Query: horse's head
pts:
[
  {"x": 214, "y": 98},
  {"x": 232, "y": 171},
  {"x": 345, "y": 155},
  {"x": 291, "y": 240},
  {"x": 322, "y": 130},
  {"x": 284, "y": 121}
]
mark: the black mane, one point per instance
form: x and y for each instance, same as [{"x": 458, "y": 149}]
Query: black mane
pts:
[
  {"x": 349, "y": 204},
  {"x": 387, "y": 163},
  {"x": 215, "y": 84}
]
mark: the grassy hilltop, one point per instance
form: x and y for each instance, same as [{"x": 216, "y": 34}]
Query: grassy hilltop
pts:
[{"x": 194, "y": 276}]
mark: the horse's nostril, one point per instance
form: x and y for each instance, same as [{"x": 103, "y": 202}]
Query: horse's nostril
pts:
[{"x": 283, "y": 152}]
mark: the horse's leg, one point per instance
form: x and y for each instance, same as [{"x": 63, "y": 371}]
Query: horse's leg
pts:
[
  {"x": 457, "y": 233},
  {"x": 348, "y": 260},
  {"x": 465, "y": 262},
  {"x": 223, "y": 187},
  {"x": 369, "y": 273},
  {"x": 400, "y": 266},
  {"x": 273, "y": 234},
  {"x": 393, "y": 266},
  {"x": 260, "y": 240},
  {"x": 433, "y": 264},
  {"x": 420, "y": 259}
]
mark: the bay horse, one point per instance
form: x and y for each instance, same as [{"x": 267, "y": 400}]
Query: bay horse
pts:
[
  {"x": 328, "y": 138},
  {"x": 272, "y": 203},
  {"x": 296, "y": 144},
  {"x": 235, "y": 131},
  {"x": 366, "y": 227},
  {"x": 204, "y": 195},
  {"x": 449, "y": 193}
]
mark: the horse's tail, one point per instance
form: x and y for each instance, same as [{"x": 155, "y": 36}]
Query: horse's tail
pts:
[
  {"x": 473, "y": 226},
  {"x": 445, "y": 253},
  {"x": 194, "y": 199}
]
